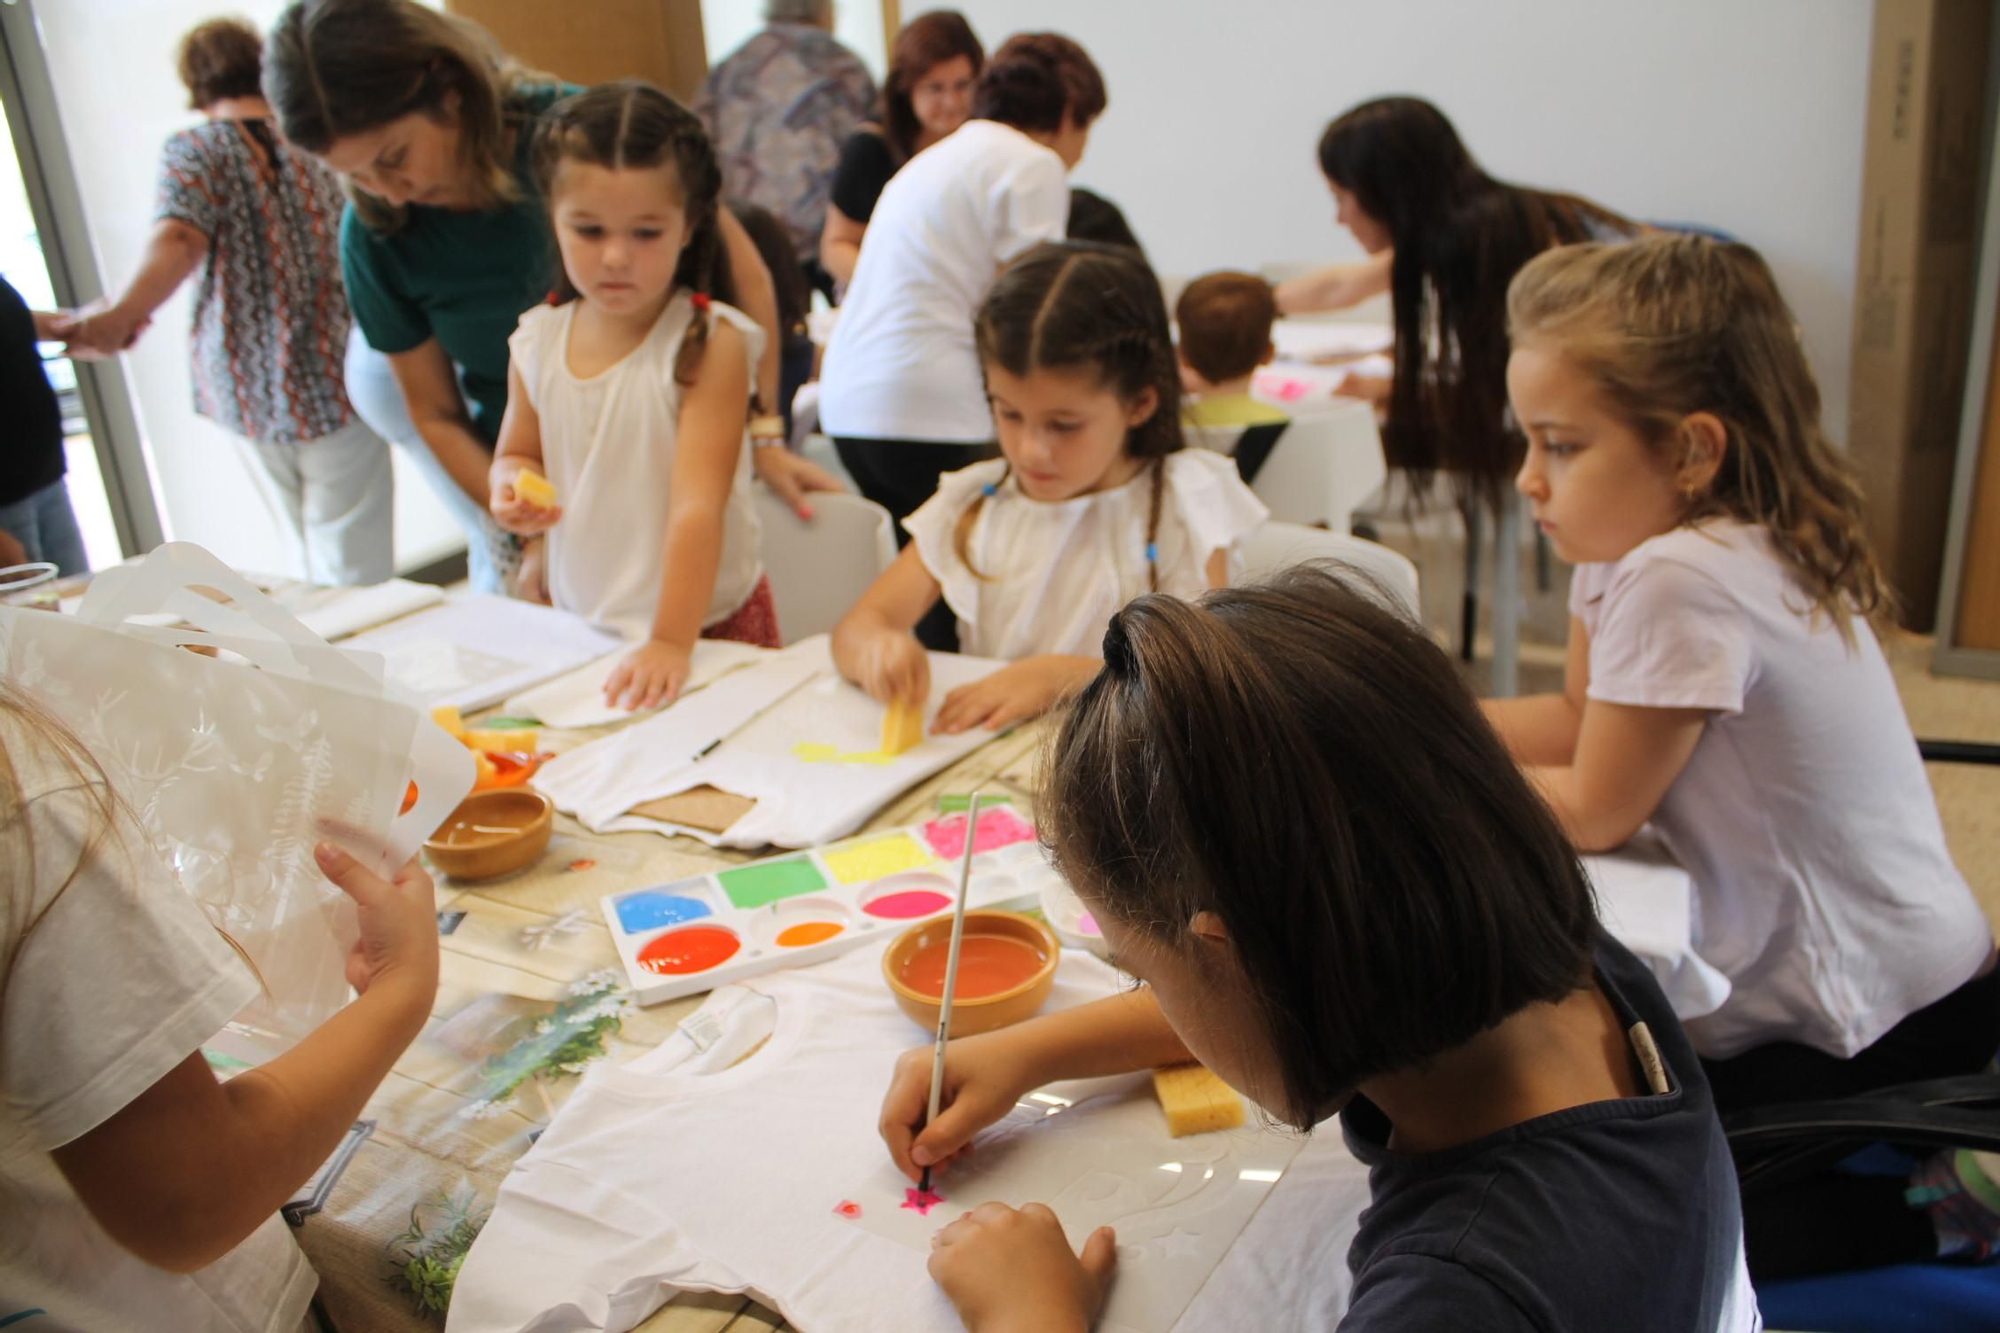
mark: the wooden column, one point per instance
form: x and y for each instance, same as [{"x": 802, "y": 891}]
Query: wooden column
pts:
[{"x": 600, "y": 40}]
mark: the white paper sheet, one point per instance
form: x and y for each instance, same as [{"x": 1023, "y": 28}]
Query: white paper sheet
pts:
[
  {"x": 801, "y": 802},
  {"x": 1647, "y": 902},
  {"x": 478, "y": 650}
]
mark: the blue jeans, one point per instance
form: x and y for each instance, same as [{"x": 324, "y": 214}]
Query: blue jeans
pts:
[
  {"x": 490, "y": 552},
  {"x": 45, "y": 526}
]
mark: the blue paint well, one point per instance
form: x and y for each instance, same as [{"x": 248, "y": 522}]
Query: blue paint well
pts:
[{"x": 653, "y": 908}]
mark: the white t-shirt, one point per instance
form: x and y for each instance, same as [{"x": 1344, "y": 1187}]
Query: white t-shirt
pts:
[
  {"x": 1823, "y": 887},
  {"x": 608, "y": 446},
  {"x": 1057, "y": 571},
  {"x": 110, "y": 976},
  {"x": 685, "y": 1169},
  {"x": 901, "y": 365}
]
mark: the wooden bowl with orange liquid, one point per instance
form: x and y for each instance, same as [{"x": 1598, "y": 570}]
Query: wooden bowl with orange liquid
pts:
[
  {"x": 493, "y": 833},
  {"x": 1006, "y": 969}
]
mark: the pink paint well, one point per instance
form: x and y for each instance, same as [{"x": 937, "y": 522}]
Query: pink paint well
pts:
[
  {"x": 909, "y": 903},
  {"x": 998, "y": 827}
]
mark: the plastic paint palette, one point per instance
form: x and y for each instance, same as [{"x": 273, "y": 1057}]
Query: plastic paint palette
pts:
[{"x": 695, "y": 934}]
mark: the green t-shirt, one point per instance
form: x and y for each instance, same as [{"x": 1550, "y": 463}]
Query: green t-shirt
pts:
[{"x": 460, "y": 277}]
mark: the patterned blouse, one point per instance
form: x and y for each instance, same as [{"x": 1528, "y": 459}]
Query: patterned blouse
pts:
[
  {"x": 778, "y": 108},
  {"x": 270, "y": 316}
]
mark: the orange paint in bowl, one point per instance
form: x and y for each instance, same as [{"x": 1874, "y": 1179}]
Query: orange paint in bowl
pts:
[
  {"x": 691, "y": 949},
  {"x": 987, "y": 965},
  {"x": 808, "y": 932}
]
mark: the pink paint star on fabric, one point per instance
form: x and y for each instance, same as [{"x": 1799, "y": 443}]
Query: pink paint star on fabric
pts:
[
  {"x": 848, "y": 1209},
  {"x": 921, "y": 1202}
]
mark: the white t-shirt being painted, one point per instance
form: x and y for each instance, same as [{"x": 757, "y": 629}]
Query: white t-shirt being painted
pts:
[
  {"x": 110, "y": 976},
  {"x": 1055, "y": 572},
  {"x": 1823, "y": 887},
  {"x": 901, "y": 365}
]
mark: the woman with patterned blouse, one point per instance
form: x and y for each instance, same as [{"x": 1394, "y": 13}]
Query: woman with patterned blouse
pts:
[{"x": 260, "y": 223}]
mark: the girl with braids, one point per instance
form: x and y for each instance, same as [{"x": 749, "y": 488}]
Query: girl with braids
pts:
[
  {"x": 1093, "y": 501},
  {"x": 630, "y": 396},
  {"x": 1725, "y": 684}
]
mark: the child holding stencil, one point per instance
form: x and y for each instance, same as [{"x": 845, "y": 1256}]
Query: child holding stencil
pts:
[
  {"x": 1724, "y": 682},
  {"x": 137, "y": 1191},
  {"x": 631, "y": 398},
  {"x": 1293, "y": 826},
  {"x": 1094, "y": 500}
]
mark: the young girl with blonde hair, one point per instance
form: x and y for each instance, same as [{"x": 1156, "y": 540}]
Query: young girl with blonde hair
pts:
[
  {"x": 1725, "y": 684},
  {"x": 137, "y": 1191}
]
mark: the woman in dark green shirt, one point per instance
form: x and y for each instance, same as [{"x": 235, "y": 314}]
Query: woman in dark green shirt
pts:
[{"x": 444, "y": 243}]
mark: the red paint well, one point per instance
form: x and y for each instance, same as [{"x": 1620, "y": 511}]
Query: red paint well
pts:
[
  {"x": 692, "y": 949},
  {"x": 908, "y": 903}
]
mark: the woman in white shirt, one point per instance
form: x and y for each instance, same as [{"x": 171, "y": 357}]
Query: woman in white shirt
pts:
[
  {"x": 1724, "y": 683},
  {"x": 900, "y": 391}
]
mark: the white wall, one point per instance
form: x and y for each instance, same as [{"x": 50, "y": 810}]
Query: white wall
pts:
[
  {"x": 1744, "y": 116},
  {"x": 112, "y": 62}
]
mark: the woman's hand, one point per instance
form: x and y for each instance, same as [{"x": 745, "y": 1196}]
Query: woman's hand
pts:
[
  {"x": 895, "y": 666},
  {"x": 96, "y": 331},
  {"x": 649, "y": 676},
  {"x": 399, "y": 938},
  {"x": 790, "y": 477},
  {"x": 984, "y": 1076},
  {"x": 1012, "y": 1268},
  {"x": 1016, "y": 692}
]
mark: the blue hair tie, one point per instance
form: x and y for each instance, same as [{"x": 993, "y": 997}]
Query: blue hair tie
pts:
[
  {"x": 1152, "y": 553},
  {"x": 989, "y": 489}
]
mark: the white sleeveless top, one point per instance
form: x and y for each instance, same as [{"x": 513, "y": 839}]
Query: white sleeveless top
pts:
[
  {"x": 608, "y": 446},
  {"x": 1057, "y": 571}
]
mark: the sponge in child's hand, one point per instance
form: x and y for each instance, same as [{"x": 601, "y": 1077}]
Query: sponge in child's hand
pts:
[
  {"x": 533, "y": 487},
  {"x": 902, "y": 727},
  {"x": 1195, "y": 1100}
]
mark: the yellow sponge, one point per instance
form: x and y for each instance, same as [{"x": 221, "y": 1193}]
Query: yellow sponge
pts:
[
  {"x": 449, "y": 719},
  {"x": 1195, "y": 1100},
  {"x": 902, "y": 727},
  {"x": 519, "y": 740},
  {"x": 533, "y": 487}
]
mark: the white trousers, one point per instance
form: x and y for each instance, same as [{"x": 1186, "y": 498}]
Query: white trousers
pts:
[{"x": 335, "y": 498}]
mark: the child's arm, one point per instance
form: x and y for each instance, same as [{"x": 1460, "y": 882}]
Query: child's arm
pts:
[
  {"x": 1016, "y": 692},
  {"x": 873, "y": 645},
  {"x": 1626, "y": 758},
  {"x": 1337, "y": 286},
  {"x": 520, "y": 448},
  {"x": 840, "y": 245},
  {"x": 985, "y": 1075},
  {"x": 189, "y": 1168},
  {"x": 1542, "y": 729},
  {"x": 709, "y": 443}
]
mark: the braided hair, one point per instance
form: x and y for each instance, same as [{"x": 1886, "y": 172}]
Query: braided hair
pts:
[
  {"x": 631, "y": 125},
  {"x": 1069, "y": 304}
]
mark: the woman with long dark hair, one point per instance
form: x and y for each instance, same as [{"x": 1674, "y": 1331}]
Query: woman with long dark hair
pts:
[{"x": 1444, "y": 238}]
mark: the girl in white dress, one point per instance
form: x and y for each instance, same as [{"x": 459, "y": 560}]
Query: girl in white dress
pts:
[
  {"x": 1094, "y": 501},
  {"x": 632, "y": 397}
]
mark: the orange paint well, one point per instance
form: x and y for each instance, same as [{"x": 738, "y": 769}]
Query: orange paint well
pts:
[
  {"x": 808, "y": 932},
  {"x": 692, "y": 949},
  {"x": 987, "y": 965}
]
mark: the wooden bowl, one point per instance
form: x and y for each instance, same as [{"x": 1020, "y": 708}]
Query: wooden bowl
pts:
[
  {"x": 914, "y": 968},
  {"x": 493, "y": 833}
]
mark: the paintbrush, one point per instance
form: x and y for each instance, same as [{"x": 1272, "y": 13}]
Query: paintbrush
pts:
[
  {"x": 709, "y": 748},
  {"x": 951, "y": 967}
]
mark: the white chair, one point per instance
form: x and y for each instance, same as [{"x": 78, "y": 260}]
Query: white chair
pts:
[
  {"x": 1324, "y": 467},
  {"x": 820, "y": 568},
  {"x": 1275, "y": 546}
]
